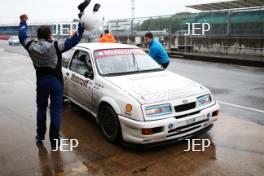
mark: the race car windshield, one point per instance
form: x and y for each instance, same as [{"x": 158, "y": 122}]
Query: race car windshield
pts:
[{"x": 124, "y": 61}]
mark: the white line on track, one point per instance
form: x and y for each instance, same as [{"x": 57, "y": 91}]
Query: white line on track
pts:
[{"x": 241, "y": 107}]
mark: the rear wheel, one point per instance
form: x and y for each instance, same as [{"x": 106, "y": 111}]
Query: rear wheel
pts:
[{"x": 109, "y": 124}]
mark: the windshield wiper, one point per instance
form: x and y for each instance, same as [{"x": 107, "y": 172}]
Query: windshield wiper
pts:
[
  {"x": 135, "y": 62},
  {"x": 133, "y": 72},
  {"x": 120, "y": 73},
  {"x": 152, "y": 70}
]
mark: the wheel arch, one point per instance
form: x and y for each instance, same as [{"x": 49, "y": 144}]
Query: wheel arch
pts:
[{"x": 108, "y": 101}]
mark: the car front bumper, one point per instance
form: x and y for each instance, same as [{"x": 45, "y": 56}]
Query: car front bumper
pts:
[{"x": 169, "y": 128}]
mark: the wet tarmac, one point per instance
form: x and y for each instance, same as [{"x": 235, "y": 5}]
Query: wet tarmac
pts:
[{"x": 237, "y": 139}]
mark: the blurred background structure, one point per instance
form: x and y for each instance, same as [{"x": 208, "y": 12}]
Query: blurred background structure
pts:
[{"x": 237, "y": 28}]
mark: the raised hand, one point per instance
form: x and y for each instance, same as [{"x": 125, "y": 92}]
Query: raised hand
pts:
[{"x": 23, "y": 17}]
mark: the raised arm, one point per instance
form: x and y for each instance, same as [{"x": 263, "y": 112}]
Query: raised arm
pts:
[
  {"x": 23, "y": 31},
  {"x": 74, "y": 40}
]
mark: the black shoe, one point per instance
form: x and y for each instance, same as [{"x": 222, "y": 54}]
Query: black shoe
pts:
[
  {"x": 96, "y": 7},
  {"x": 83, "y": 5},
  {"x": 39, "y": 143},
  {"x": 39, "y": 140}
]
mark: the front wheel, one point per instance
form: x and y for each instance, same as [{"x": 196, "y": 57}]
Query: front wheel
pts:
[{"x": 109, "y": 124}]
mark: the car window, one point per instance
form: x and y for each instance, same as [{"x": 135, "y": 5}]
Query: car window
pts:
[
  {"x": 81, "y": 63},
  {"x": 66, "y": 57}
]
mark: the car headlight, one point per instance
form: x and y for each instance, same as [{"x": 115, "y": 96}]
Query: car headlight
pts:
[
  {"x": 158, "y": 110},
  {"x": 204, "y": 100}
]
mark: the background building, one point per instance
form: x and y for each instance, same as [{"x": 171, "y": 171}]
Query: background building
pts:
[
  {"x": 236, "y": 27},
  {"x": 59, "y": 30}
]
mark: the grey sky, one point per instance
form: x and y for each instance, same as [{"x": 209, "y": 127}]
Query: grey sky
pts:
[{"x": 66, "y": 10}]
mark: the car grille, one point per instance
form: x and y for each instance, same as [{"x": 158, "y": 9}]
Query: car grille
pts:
[
  {"x": 186, "y": 115},
  {"x": 185, "y": 107}
]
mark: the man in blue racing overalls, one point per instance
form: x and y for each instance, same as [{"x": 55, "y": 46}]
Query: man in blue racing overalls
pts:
[{"x": 46, "y": 56}]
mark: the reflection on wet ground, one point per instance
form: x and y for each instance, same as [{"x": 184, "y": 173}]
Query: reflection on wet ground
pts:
[
  {"x": 228, "y": 144},
  {"x": 103, "y": 158}
]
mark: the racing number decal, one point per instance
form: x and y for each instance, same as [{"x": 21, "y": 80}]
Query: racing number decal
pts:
[{"x": 79, "y": 80}]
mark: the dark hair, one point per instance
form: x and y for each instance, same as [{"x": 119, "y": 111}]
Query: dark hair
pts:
[
  {"x": 149, "y": 35},
  {"x": 44, "y": 32},
  {"x": 106, "y": 31}
]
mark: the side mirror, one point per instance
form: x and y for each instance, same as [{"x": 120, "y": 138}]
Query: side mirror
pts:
[{"x": 89, "y": 75}]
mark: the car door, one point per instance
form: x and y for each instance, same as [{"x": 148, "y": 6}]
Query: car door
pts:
[
  {"x": 80, "y": 73},
  {"x": 66, "y": 58}
]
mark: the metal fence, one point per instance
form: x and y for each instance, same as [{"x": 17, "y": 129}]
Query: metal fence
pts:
[
  {"x": 227, "y": 23},
  {"x": 227, "y": 26}
]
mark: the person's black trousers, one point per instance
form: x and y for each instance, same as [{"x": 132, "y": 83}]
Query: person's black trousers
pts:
[{"x": 165, "y": 65}]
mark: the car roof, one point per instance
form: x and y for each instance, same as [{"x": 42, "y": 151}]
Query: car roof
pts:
[{"x": 100, "y": 46}]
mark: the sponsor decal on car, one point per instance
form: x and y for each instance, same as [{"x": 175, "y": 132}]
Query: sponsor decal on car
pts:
[
  {"x": 114, "y": 52},
  {"x": 79, "y": 80}
]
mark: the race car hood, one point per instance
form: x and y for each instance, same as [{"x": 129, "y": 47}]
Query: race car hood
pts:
[{"x": 157, "y": 86}]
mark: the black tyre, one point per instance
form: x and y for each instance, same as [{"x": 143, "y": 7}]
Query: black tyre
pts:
[{"x": 109, "y": 124}]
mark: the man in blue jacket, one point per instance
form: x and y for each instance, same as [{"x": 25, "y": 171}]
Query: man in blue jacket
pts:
[
  {"x": 157, "y": 51},
  {"x": 46, "y": 56}
]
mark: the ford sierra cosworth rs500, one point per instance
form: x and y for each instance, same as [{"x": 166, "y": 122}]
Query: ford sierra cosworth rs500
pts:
[{"x": 132, "y": 97}]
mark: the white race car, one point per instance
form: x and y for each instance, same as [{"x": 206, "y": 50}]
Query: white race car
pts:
[{"x": 132, "y": 98}]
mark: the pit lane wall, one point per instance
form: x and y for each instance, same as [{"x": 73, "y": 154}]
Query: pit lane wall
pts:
[
  {"x": 238, "y": 46},
  {"x": 4, "y": 37}
]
